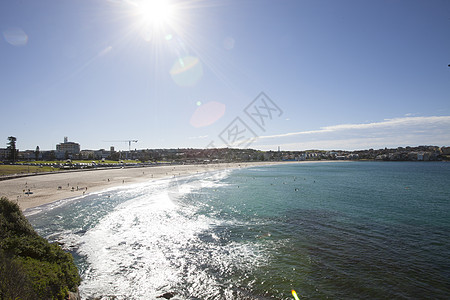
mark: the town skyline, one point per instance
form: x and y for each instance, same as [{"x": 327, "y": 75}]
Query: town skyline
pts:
[
  {"x": 72, "y": 150},
  {"x": 78, "y": 145}
]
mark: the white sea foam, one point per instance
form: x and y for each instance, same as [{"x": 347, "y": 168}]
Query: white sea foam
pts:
[
  {"x": 129, "y": 250},
  {"x": 151, "y": 244},
  {"x": 49, "y": 206}
]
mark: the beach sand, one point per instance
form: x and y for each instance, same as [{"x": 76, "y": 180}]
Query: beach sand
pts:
[{"x": 38, "y": 190}]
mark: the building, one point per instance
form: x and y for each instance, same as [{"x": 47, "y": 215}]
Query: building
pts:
[
  {"x": 87, "y": 154},
  {"x": 27, "y": 155},
  {"x": 102, "y": 154},
  {"x": 445, "y": 150},
  {"x": 67, "y": 149},
  {"x": 4, "y": 153}
]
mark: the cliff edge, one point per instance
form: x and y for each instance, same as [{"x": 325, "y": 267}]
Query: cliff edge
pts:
[{"x": 31, "y": 267}]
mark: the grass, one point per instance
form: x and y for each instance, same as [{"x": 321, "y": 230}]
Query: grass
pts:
[
  {"x": 19, "y": 169},
  {"x": 27, "y": 169}
]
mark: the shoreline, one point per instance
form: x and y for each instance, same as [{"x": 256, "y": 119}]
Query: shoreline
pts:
[{"x": 37, "y": 190}]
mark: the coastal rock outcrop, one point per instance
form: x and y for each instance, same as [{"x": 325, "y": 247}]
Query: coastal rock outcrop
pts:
[{"x": 167, "y": 295}]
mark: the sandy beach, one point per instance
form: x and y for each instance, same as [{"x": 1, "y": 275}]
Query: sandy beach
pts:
[{"x": 38, "y": 190}]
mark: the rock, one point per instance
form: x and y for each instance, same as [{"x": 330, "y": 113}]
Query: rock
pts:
[
  {"x": 167, "y": 295},
  {"x": 74, "y": 296}
]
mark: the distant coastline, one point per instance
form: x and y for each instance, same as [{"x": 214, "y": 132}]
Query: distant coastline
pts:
[{"x": 88, "y": 158}]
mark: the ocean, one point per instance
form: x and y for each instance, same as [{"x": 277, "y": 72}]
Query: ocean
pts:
[{"x": 329, "y": 230}]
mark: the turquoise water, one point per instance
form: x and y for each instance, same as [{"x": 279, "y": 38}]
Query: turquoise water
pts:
[{"x": 338, "y": 230}]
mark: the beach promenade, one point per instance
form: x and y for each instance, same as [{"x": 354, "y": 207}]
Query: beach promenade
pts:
[{"x": 38, "y": 190}]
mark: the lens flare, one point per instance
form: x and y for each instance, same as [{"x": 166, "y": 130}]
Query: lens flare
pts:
[
  {"x": 207, "y": 114},
  {"x": 15, "y": 36},
  {"x": 187, "y": 71},
  {"x": 228, "y": 43}
]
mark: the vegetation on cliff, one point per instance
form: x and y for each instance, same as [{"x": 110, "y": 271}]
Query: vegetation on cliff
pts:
[{"x": 31, "y": 267}]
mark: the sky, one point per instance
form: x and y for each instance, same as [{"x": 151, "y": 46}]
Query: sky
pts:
[{"x": 261, "y": 74}]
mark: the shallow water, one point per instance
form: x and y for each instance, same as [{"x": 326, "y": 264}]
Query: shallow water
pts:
[{"x": 328, "y": 230}]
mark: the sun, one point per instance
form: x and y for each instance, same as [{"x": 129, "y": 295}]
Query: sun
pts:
[{"x": 155, "y": 12}]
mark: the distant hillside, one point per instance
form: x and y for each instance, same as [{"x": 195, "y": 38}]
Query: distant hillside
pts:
[{"x": 31, "y": 267}]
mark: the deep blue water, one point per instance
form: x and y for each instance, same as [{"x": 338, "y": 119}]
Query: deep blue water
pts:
[{"x": 338, "y": 230}]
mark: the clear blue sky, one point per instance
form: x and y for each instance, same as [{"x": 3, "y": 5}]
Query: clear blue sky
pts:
[{"x": 342, "y": 74}]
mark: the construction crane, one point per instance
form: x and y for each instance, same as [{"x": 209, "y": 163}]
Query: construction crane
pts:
[{"x": 124, "y": 141}]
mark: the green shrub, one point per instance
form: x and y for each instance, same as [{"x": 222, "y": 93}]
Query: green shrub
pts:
[
  {"x": 14, "y": 281},
  {"x": 31, "y": 267}
]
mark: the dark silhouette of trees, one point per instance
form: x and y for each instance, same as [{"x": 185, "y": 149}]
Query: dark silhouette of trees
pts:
[
  {"x": 13, "y": 152},
  {"x": 36, "y": 153}
]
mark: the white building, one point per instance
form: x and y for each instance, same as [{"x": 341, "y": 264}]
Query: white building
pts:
[{"x": 67, "y": 148}]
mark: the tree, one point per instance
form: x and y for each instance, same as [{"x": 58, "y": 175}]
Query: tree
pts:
[
  {"x": 12, "y": 148},
  {"x": 52, "y": 155},
  {"x": 36, "y": 153},
  {"x": 114, "y": 156}
]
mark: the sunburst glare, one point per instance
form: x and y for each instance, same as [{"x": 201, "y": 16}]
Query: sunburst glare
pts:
[
  {"x": 174, "y": 31},
  {"x": 156, "y": 12},
  {"x": 155, "y": 18}
]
